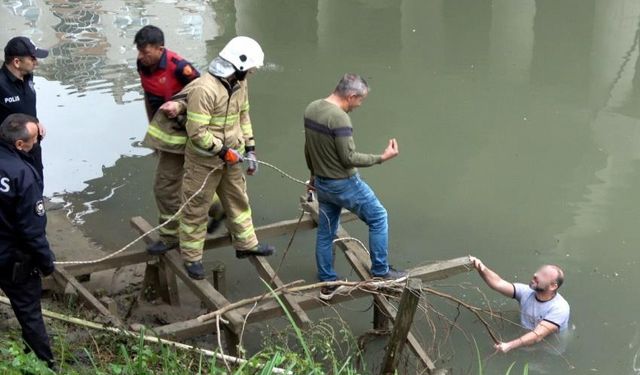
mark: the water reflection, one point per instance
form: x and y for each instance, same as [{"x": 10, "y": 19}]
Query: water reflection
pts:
[
  {"x": 80, "y": 56},
  {"x": 91, "y": 71},
  {"x": 616, "y": 134}
]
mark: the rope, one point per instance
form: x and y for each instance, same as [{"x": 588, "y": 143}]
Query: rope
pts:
[
  {"x": 174, "y": 216},
  {"x": 290, "y": 177},
  {"x": 345, "y": 239}
]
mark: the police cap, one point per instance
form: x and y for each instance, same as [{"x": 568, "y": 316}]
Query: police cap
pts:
[{"x": 23, "y": 46}]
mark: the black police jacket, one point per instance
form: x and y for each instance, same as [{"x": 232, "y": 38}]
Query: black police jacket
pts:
[
  {"x": 16, "y": 96},
  {"x": 22, "y": 215}
]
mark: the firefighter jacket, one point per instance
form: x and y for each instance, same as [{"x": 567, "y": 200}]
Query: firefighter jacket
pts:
[
  {"x": 169, "y": 134},
  {"x": 216, "y": 115}
]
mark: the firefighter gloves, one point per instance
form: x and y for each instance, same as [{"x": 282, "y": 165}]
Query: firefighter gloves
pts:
[
  {"x": 252, "y": 160},
  {"x": 230, "y": 156}
]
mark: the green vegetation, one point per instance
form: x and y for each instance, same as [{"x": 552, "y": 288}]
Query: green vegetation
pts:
[
  {"x": 525, "y": 369},
  {"x": 319, "y": 350},
  {"x": 327, "y": 347}
]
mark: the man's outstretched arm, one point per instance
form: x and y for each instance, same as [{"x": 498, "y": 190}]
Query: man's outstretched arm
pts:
[
  {"x": 542, "y": 330},
  {"x": 493, "y": 279}
]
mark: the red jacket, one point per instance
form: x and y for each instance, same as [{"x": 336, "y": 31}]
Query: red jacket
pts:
[{"x": 170, "y": 76}]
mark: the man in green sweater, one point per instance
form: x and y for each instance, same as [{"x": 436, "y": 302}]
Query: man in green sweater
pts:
[{"x": 332, "y": 159}]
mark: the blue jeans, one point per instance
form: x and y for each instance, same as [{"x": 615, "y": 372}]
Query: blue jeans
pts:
[{"x": 356, "y": 196}]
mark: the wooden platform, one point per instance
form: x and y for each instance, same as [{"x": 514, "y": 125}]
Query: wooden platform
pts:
[{"x": 169, "y": 266}]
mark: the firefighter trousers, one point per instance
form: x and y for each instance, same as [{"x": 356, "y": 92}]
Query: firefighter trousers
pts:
[
  {"x": 167, "y": 185},
  {"x": 167, "y": 189},
  {"x": 230, "y": 185}
]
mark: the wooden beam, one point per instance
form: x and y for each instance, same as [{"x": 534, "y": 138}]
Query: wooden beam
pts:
[
  {"x": 168, "y": 284},
  {"x": 203, "y": 290},
  {"x": 276, "y": 229},
  {"x": 403, "y": 321},
  {"x": 442, "y": 269},
  {"x": 135, "y": 256},
  {"x": 383, "y": 303},
  {"x": 267, "y": 273},
  {"x": 63, "y": 278},
  {"x": 270, "y": 309},
  {"x": 359, "y": 260},
  {"x": 380, "y": 320},
  {"x": 220, "y": 277},
  {"x": 111, "y": 304}
]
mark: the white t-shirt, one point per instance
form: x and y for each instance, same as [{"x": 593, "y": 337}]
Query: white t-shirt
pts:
[{"x": 532, "y": 311}]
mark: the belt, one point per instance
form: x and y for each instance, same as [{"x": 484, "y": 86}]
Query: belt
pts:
[
  {"x": 331, "y": 178},
  {"x": 337, "y": 178}
]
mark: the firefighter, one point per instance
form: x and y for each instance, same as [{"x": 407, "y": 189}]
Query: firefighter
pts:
[
  {"x": 219, "y": 131},
  {"x": 163, "y": 73},
  {"x": 24, "y": 249}
]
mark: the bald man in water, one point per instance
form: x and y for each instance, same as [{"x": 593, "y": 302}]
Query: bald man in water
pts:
[{"x": 543, "y": 311}]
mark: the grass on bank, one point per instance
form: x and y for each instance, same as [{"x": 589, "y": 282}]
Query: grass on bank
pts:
[
  {"x": 100, "y": 354},
  {"x": 83, "y": 351},
  {"x": 327, "y": 347}
]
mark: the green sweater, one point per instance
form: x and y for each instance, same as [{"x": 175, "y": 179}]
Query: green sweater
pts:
[{"x": 329, "y": 148}]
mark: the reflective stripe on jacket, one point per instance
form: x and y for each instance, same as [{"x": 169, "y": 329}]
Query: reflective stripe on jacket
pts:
[
  {"x": 168, "y": 134},
  {"x": 218, "y": 116},
  {"x": 213, "y": 119}
]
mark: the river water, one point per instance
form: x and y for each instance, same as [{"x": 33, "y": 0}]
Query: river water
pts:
[{"x": 518, "y": 124}]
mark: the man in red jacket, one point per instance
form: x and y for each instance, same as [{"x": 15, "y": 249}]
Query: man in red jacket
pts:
[{"x": 163, "y": 73}]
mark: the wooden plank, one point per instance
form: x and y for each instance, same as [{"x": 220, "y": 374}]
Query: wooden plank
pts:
[
  {"x": 151, "y": 289},
  {"x": 270, "y": 309},
  {"x": 63, "y": 278},
  {"x": 203, "y": 290},
  {"x": 268, "y": 274},
  {"x": 380, "y": 320},
  {"x": 168, "y": 284},
  {"x": 404, "y": 319},
  {"x": 135, "y": 256},
  {"x": 111, "y": 304},
  {"x": 442, "y": 269},
  {"x": 359, "y": 260},
  {"x": 385, "y": 306},
  {"x": 220, "y": 277},
  {"x": 279, "y": 228}
]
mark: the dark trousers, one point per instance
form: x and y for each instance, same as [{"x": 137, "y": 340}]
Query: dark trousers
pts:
[
  {"x": 36, "y": 153},
  {"x": 25, "y": 301}
]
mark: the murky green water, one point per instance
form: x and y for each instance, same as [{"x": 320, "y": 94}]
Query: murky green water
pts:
[{"x": 518, "y": 124}]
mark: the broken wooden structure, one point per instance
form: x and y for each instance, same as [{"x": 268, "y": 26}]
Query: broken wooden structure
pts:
[{"x": 162, "y": 272}]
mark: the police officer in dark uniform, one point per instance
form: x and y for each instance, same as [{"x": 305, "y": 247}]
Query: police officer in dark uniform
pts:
[
  {"x": 24, "y": 249},
  {"x": 17, "y": 92}
]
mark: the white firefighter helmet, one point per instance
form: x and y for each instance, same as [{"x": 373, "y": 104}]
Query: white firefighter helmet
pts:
[{"x": 244, "y": 53}]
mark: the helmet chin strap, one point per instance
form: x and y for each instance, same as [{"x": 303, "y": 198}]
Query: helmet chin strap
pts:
[{"x": 241, "y": 75}]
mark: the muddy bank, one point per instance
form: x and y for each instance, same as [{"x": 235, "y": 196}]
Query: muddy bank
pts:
[{"x": 123, "y": 285}]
